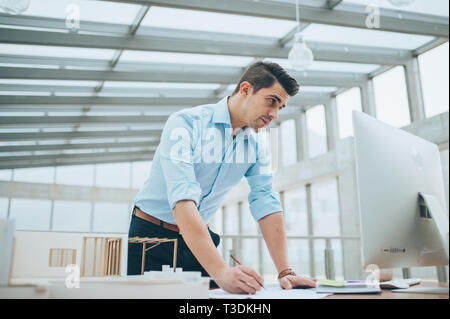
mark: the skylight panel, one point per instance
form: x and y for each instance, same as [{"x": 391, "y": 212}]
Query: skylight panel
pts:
[
  {"x": 184, "y": 58},
  {"x": 331, "y": 66},
  {"x": 160, "y": 85},
  {"x": 216, "y": 22},
  {"x": 54, "y": 51},
  {"x": 367, "y": 37},
  {"x": 98, "y": 11},
  {"x": 435, "y": 7}
]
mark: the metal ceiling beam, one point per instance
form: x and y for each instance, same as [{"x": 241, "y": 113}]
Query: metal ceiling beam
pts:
[
  {"x": 124, "y": 91},
  {"x": 303, "y": 98},
  {"x": 176, "y": 74},
  {"x": 9, "y": 162},
  {"x": 192, "y": 43},
  {"x": 52, "y": 121},
  {"x": 36, "y": 136},
  {"x": 4, "y": 159},
  {"x": 102, "y": 100},
  {"x": 348, "y": 15},
  {"x": 77, "y": 146},
  {"x": 50, "y": 163},
  {"x": 331, "y": 4},
  {"x": 186, "y": 74},
  {"x": 60, "y": 24},
  {"x": 429, "y": 46},
  {"x": 94, "y": 110}
]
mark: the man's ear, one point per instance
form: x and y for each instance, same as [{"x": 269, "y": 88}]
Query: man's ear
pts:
[{"x": 245, "y": 88}]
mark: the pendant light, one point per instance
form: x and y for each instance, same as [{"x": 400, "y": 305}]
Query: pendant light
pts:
[
  {"x": 14, "y": 6},
  {"x": 401, "y": 3},
  {"x": 300, "y": 56}
]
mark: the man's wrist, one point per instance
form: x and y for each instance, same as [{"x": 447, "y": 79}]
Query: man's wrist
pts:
[
  {"x": 286, "y": 272},
  {"x": 218, "y": 271}
]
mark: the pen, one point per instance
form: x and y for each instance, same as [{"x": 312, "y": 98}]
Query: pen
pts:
[{"x": 237, "y": 261}]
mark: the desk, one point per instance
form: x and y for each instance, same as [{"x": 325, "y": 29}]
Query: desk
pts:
[{"x": 388, "y": 294}]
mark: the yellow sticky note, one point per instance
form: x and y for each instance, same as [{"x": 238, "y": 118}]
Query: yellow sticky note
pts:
[{"x": 331, "y": 283}]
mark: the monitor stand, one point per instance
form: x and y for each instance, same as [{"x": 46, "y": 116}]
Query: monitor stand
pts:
[{"x": 431, "y": 208}]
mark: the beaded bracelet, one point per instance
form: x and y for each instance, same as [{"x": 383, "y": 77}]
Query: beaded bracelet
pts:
[{"x": 286, "y": 272}]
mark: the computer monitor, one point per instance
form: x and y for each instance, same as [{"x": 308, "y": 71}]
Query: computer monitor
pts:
[{"x": 403, "y": 215}]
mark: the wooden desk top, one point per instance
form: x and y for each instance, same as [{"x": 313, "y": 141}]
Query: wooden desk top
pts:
[{"x": 388, "y": 294}]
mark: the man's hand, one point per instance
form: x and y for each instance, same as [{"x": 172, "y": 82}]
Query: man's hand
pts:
[
  {"x": 290, "y": 281},
  {"x": 239, "y": 280}
]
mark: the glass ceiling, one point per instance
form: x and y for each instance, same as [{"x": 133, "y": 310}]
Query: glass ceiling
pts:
[
  {"x": 366, "y": 37},
  {"x": 55, "y": 51},
  {"x": 233, "y": 27},
  {"x": 439, "y": 7},
  {"x": 184, "y": 58},
  {"x": 97, "y": 11},
  {"x": 335, "y": 66},
  {"x": 216, "y": 22}
]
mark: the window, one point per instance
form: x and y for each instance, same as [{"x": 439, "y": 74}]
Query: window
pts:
[
  {"x": 298, "y": 252},
  {"x": 231, "y": 220},
  {"x": 113, "y": 175},
  {"x": 288, "y": 142},
  {"x": 319, "y": 258},
  {"x": 249, "y": 255},
  {"x": 31, "y": 214},
  {"x": 434, "y": 75},
  {"x": 141, "y": 172},
  {"x": 216, "y": 222},
  {"x": 59, "y": 257},
  {"x": 347, "y": 102},
  {"x": 316, "y": 130},
  {"x": 102, "y": 256},
  {"x": 111, "y": 218},
  {"x": 5, "y": 174},
  {"x": 75, "y": 175},
  {"x": 71, "y": 216},
  {"x": 269, "y": 272},
  {"x": 325, "y": 208},
  {"x": 35, "y": 175},
  {"x": 248, "y": 224},
  {"x": 295, "y": 215},
  {"x": 4, "y": 203},
  {"x": 391, "y": 99}
]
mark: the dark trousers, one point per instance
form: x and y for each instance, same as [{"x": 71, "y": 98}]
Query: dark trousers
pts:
[{"x": 163, "y": 253}]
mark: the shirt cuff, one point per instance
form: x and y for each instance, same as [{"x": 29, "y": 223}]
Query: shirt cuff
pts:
[
  {"x": 266, "y": 205},
  {"x": 184, "y": 191}
]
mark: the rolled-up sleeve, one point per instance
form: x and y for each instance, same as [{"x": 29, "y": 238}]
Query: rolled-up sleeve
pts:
[
  {"x": 176, "y": 154},
  {"x": 263, "y": 200}
]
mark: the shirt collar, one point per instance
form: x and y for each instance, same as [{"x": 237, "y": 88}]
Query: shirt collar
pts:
[{"x": 221, "y": 113}]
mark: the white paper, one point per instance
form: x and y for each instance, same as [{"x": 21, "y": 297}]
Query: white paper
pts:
[{"x": 270, "y": 293}]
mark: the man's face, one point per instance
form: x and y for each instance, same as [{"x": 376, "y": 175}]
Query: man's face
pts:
[{"x": 260, "y": 108}]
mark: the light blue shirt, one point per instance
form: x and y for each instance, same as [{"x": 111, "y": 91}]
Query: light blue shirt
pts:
[{"x": 198, "y": 159}]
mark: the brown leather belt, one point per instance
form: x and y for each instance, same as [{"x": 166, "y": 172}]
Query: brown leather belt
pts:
[{"x": 139, "y": 213}]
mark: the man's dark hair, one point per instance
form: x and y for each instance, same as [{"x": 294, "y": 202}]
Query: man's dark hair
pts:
[{"x": 264, "y": 74}]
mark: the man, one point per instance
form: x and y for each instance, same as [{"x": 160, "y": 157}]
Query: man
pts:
[{"x": 187, "y": 184}]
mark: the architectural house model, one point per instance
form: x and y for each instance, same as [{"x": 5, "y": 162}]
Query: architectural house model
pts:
[{"x": 35, "y": 265}]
